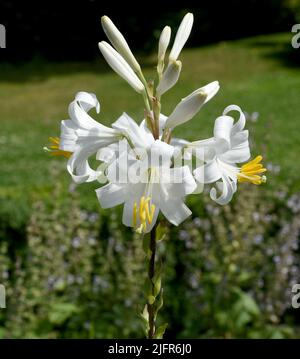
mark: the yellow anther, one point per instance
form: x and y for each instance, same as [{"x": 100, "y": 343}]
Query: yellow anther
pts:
[
  {"x": 141, "y": 211},
  {"x": 143, "y": 214},
  {"x": 150, "y": 213},
  {"x": 251, "y": 172},
  {"x": 55, "y": 150},
  {"x": 134, "y": 213}
]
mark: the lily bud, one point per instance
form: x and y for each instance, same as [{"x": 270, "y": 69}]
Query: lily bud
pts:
[
  {"x": 120, "y": 66},
  {"x": 190, "y": 105},
  {"x": 182, "y": 35},
  {"x": 119, "y": 42},
  {"x": 170, "y": 77},
  {"x": 163, "y": 44}
]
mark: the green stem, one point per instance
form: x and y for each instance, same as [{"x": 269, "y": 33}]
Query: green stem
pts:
[{"x": 151, "y": 273}]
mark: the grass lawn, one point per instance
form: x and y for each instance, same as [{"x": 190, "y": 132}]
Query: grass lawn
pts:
[{"x": 253, "y": 73}]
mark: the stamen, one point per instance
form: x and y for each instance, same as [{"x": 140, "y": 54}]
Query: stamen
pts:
[
  {"x": 143, "y": 214},
  {"x": 251, "y": 172},
  {"x": 134, "y": 213},
  {"x": 55, "y": 150}
]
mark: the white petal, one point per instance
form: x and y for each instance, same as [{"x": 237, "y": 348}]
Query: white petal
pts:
[
  {"x": 210, "y": 172},
  {"x": 240, "y": 124},
  {"x": 169, "y": 78},
  {"x": 119, "y": 42},
  {"x": 181, "y": 152},
  {"x": 228, "y": 188},
  {"x": 127, "y": 219},
  {"x": 118, "y": 64},
  {"x": 135, "y": 133},
  {"x": 87, "y": 101},
  {"x": 68, "y": 136},
  {"x": 239, "y": 153},
  {"x": 239, "y": 138},
  {"x": 107, "y": 154},
  {"x": 161, "y": 154},
  {"x": 78, "y": 166},
  {"x": 181, "y": 183},
  {"x": 179, "y": 142},
  {"x": 209, "y": 142},
  {"x": 222, "y": 133},
  {"x": 200, "y": 187},
  {"x": 175, "y": 211},
  {"x": 117, "y": 171},
  {"x": 182, "y": 35},
  {"x": 110, "y": 195},
  {"x": 86, "y": 125}
]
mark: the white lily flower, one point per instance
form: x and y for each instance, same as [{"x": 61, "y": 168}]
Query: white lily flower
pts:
[
  {"x": 169, "y": 78},
  {"x": 82, "y": 136},
  {"x": 163, "y": 43},
  {"x": 120, "y": 66},
  {"x": 160, "y": 188},
  {"x": 119, "y": 42},
  {"x": 182, "y": 35},
  {"x": 190, "y": 105},
  {"x": 228, "y": 146}
]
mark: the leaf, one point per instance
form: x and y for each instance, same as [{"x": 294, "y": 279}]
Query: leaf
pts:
[
  {"x": 160, "y": 331},
  {"x": 60, "y": 312},
  {"x": 160, "y": 233},
  {"x": 159, "y": 303},
  {"x": 151, "y": 299},
  {"x": 146, "y": 243},
  {"x": 157, "y": 286},
  {"x": 250, "y": 305},
  {"x": 144, "y": 315}
]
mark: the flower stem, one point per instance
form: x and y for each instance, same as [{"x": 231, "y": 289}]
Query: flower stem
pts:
[
  {"x": 154, "y": 291},
  {"x": 151, "y": 273}
]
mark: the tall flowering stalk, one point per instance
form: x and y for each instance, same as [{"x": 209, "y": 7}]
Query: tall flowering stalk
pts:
[{"x": 142, "y": 166}]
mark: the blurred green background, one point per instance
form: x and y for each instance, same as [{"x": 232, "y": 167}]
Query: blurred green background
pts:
[{"x": 71, "y": 270}]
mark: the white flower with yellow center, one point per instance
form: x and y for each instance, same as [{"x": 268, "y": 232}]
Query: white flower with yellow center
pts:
[
  {"x": 222, "y": 152},
  {"x": 154, "y": 187},
  {"x": 163, "y": 185},
  {"x": 143, "y": 167}
]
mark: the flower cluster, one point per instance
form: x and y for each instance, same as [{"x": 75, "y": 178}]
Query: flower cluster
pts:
[{"x": 149, "y": 148}]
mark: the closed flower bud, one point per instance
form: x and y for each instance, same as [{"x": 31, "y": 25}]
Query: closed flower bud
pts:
[
  {"x": 119, "y": 42},
  {"x": 164, "y": 41},
  {"x": 120, "y": 66},
  {"x": 190, "y": 105},
  {"x": 182, "y": 35},
  {"x": 170, "y": 77}
]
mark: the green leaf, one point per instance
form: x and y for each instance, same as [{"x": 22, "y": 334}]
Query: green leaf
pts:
[
  {"x": 159, "y": 303},
  {"x": 151, "y": 299},
  {"x": 144, "y": 315},
  {"x": 160, "y": 331},
  {"x": 157, "y": 286},
  {"x": 160, "y": 233},
  {"x": 60, "y": 312}
]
